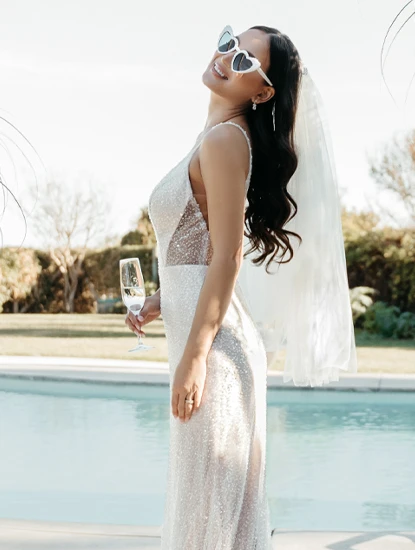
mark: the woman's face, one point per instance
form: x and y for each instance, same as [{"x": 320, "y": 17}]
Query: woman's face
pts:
[{"x": 237, "y": 87}]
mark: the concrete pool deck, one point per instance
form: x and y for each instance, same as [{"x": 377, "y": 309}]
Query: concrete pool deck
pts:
[
  {"x": 42, "y": 535},
  {"x": 154, "y": 372}
]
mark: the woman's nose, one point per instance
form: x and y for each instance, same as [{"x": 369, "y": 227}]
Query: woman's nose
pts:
[{"x": 227, "y": 58}]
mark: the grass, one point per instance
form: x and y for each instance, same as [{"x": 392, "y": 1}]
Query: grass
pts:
[
  {"x": 63, "y": 335},
  {"x": 106, "y": 336}
]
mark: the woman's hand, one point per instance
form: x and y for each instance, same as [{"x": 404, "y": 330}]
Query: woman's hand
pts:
[
  {"x": 149, "y": 312},
  {"x": 189, "y": 381}
]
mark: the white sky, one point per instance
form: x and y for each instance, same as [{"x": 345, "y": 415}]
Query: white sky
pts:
[{"x": 112, "y": 89}]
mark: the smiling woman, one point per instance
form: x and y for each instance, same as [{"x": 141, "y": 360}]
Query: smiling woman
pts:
[
  {"x": 233, "y": 184},
  {"x": 216, "y": 496}
]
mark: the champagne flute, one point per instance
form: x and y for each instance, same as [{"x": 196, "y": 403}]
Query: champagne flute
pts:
[{"x": 132, "y": 291}]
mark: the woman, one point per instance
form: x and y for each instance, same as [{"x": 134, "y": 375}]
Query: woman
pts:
[{"x": 216, "y": 495}]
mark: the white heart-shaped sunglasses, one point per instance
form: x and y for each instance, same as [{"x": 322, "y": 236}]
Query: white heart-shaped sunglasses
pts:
[{"x": 242, "y": 62}]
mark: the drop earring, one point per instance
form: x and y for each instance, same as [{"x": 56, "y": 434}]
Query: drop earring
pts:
[{"x": 254, "y": 106}]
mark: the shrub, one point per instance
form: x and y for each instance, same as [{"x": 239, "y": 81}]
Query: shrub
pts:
[
  {"x": 406, "y": 325},
  {"x": 384, "y": 259},
  {"x": 133, "y": 238},
  {"x": 102, "y": 266},
  {"x": 388, "y": 321}
]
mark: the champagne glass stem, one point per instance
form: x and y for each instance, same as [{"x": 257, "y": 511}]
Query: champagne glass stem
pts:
[{"x": 137, "y": 313}]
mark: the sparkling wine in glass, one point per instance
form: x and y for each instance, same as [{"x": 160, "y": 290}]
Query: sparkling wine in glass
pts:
[{"x": 132, "y": 291}]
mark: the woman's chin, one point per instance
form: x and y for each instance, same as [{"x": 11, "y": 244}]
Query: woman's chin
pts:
[{"x": 210, "y": 80}]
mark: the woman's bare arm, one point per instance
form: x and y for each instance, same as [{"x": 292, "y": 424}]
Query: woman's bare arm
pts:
[{"x": 224, "y": 164}]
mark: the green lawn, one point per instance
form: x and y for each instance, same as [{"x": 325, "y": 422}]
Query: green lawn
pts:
[
  {"x": 108, "y": 337},
  {"x": 73, "y": 335}
]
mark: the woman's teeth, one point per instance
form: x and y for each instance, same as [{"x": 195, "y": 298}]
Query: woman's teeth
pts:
[{"x": 220, "y": 73}]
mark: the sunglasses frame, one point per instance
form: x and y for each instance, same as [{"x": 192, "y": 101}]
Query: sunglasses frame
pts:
[{"x": 256, "y": 64}]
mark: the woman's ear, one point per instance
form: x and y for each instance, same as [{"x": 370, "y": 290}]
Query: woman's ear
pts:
[{"x": 265, "y": 95}]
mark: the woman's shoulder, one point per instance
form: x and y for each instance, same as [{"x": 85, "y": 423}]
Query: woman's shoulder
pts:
[
  {"x": 227, "y": 136},
  {"x": 227, "y": 143}
]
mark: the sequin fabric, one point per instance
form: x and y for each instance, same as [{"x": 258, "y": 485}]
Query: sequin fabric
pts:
[{"x": 216, "y": 491}]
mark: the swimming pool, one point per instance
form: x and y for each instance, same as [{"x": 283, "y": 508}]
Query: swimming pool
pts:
[{"x": 87, "y": 452}]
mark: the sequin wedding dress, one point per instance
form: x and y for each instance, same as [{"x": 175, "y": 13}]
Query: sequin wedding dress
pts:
[{"x": 216, "y": 495}]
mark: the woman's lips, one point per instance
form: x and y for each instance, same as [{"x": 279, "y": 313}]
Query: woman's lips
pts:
[{"x": 215, "y": 72}]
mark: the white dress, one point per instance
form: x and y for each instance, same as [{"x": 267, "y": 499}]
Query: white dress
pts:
[{"x": 216, "y": 496}]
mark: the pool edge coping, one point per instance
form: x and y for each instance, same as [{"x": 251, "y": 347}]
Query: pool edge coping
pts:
[
  {"x": 152, "y": 531},
  {"x": 92, "y": 370}
]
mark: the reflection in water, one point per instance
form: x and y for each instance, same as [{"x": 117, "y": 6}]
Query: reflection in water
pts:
[
  {"x": 340, "y": 460},
  {"x": 98, "y": 453}
]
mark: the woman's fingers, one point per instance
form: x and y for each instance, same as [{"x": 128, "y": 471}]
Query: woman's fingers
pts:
[
  {"x": 182, "y": 408},
  {"x": 133, "y": 320},
  {"x": 130, "y": 324},
  {"x": 133, "y": 324},
  {"x": 188, "y": 409},
  {"x": 198, "y": 399},
  {"x": 174, "y": 404}
]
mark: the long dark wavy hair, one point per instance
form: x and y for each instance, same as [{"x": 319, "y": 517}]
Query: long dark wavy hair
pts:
[{"x": 274, "y": 158}]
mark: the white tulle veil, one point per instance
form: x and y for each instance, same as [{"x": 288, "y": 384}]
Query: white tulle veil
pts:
[{"x": 304, "y": 305}]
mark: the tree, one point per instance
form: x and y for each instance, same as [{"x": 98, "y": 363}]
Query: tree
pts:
[
  {"x": 357, "y": 224},
  {"x": 145, "y": 228},
  {"x": 68, "y": 221},
  {"x": 19, "y": 271},
  {"x": 143, "y": 233},
  {"x": 393, "y": 169},
  {"x": 132, "y": 238}
]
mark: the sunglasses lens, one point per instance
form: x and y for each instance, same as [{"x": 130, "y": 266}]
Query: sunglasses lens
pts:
[
  {"x": 226, "y": 42},
  {"x": 241, "y": 63}
]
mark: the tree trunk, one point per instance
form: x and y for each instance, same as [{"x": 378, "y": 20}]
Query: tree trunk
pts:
[
  {"x": 70, "y": 265},
  {"x": 73, "y": 273},
  {"x": 66, "y": 293},
  {"x": 15, "y": 306}
]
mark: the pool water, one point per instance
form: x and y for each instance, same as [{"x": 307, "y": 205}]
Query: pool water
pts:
[{"x": 71, "y": 451}]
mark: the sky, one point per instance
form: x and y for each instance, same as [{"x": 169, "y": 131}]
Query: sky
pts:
[{"x": 111, "y": 91}]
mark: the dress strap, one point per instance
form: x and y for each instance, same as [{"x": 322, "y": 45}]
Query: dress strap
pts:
[{"x": 248, "y": 179}]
